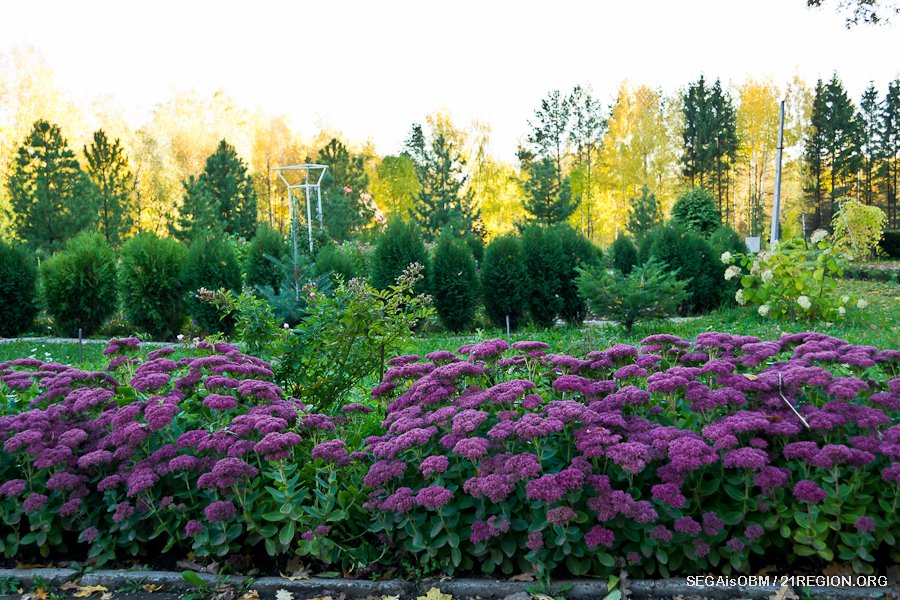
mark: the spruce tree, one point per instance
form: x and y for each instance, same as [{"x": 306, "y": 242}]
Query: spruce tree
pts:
[
  {"x": 890, "y": 149},
  {"x": 548, "y": 198},
  {"x": 454, "y": 283},
  {"x": 645, "y": 213},
  {"x": 107, "y": 169},
  {"x": 869, "y": 139},
  {"x": 221, "y": 198},
  {"x": 345, "y": 195},
  {"x": 505, "y": 281},
  {"x": 49, "y": 193},
  {"x": 443, "y": 202}
]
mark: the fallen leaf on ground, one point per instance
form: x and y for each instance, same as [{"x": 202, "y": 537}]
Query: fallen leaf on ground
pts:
[
  {"x": 151, "y": 588},
  {"x": 390, "y": 598},
  {"x": 21, "y": 565},
  {"x": 40, "y": 594},
  {"x": 296, "y": 570},
  {"x": 541, "y": 597},
  {"x": 69, "y": 585},
  {"x": 106, "y": 596},
  {"x": 284, "y": 595},
  {"x": 250, "y": 595},
  {"x": 89, "y": 590},
  {"x": 836, "y": 569},
  {"x": 527, "y": 576},
  {"x": 785, "y": 592},
  {"x": 435, "y": 594}
]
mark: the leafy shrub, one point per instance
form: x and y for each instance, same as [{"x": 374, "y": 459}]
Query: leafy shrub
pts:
[
  {"x": 151, "y": 286},
  {"x": 858, "y": 228},
  {"x": 80, "y": 284},
  {"x": 341, "y": 338},
  {"x": 725, "y": 239},
  {"x": 18, "y": 290},
  {"x": 696, "y": 211},
  {"x": 399, "y": 246},
  {"x": 575, "y": 251},
  {"x": 262, "y": 271},
  {"x": 454, "y": 283},
  {"x": 683, "y": 452},
  {"x": 542, "y": 253},
  {"x": 333, "y": 260},
  {"x": 792, "y": 282},
  {"x": 890, "y": 243},
  {"x": 646, "y": 292},
  {"x": 252, "y": 472},
  {"x": 624, "y": 254},
  {"x": 210, "y": 265},
  {"x": 690, "y": 256},
  {"x": 504, "y": 281}
]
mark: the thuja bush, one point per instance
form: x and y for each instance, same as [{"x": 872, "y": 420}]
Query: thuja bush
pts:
[
  {"x": 151, "y": 286},
  {"x": 624, "y": 254},
  {"x": 504, "y": 281},
  {"x": 398, "y": 247},
  {"x": 725, "y": 239},
  {"x": 79, "y": 285},
  {"x": 667, "y": 457},
  {"x": 542, "y": 254},
  {"x": 696, "y": 211},
  {"x": 793, "y": 281},
  {"x": 262, "y": 266},
  {"x": 689, "y": 256},
  {"x": 332, "y": 260},
  {"x": 18, "y": 290},
  {"x": 454, "y": 283},
  {"x": 575, "y": 251},
  {"x": 210, "y": 265},
  {"x": 202, "y": 454}
]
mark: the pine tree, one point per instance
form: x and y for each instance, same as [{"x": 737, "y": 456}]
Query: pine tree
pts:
[
  {"x": 346, "y": 203},
  {"x": 49, "y": 193},
  {"x": 548, "y": 198},
  {"x": 443, "y": 203},
  {"x": 813, "y": 154},
  {"x": 890, "y": 149},
  {"x": 107, "y": 168},
  {"x": 550, "y": 130},
  {"x": 645, "y": 213},
  {"x": 710, "y": 139},
  {"x": 222, "y": 198},
  {"x": 587, "y": 128}
]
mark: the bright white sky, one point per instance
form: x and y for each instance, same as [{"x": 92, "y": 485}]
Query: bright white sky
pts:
[{"x": 372, "y": 67}]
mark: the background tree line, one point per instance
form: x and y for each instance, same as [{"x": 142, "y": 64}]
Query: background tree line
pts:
[{"x": 601, "y": 164}]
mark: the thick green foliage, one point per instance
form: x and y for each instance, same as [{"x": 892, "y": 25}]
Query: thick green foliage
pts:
[
  {"x": 542, "y": 253},
  {"x": 332, "y": 259},
  {"x": 576, "y": 250},
  {"x": 80, "y": 285},
  {"x": 454, "y": 283},
  {"x": 624, "y": 254},
  {"x": 18, "y": 289},
  {"x": 890, "y": 243},
  {"x": 647, "y": 292},
  {"x": 211, "y": 265},
  {"x": 400, "y": 245},
  {"x": 261, "y": 270},
  {"x": 858, "y": 228},
  {"x": 151, "y": 286},
  {"x": 476, "y": 246},
  {"x": 691, "y": 257},
  {"x": 725, "y": 239},
  {"x": 504, "y": 281},
  {"x": 696, "y": 211},
  {"x": 646, "y": 213}
]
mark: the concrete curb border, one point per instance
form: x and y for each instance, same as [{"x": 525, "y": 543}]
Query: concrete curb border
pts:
[{"x": 488, "y": 589}]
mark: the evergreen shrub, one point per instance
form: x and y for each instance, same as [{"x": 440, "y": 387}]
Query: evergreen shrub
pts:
[
  {"x": 210, "y": 265},
  {"x": 151, "y": 286},
  {"x": 454, "y": 283},
  {"x": 18, "y": 289},
  {"x": 332, "y": 259},
  {"x": 576, "y": 250},
  {"x": 692, "y": 259},
  {"x": 696, "y": 211},
  {"x": 400, "y": 245},
  {"x": 624, "y": 254},
  {"x": 261, "y": 270},
  {"x": 725, "y": 239},
  {"x": 542, "y": 254},
  {"x": 504, "y": 281},
  {"x": 80, "y": 288}
]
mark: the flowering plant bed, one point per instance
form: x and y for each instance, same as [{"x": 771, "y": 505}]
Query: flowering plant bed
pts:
[{"x": 668, "y": 457}]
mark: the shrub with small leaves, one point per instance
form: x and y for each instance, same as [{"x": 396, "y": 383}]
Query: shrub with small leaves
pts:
[
  {"x": 18, "y": 290},
  {"x": 791, "y": 281},
  {"x": 266, "y": 251},
  {"x": 151, "y": 285},
  {"x": 454, "y": 283},
  {"x": 80, "y": 285},
  {"x": 332, "y": 260},
  {"x": 691, "y": 257},
  {"x": 503, "y": 279},
  {"x": 696, "y": 211},
  {"x": 400, "y": 245},
  {"x": 858, "y": 228},
  {"x": 542, "y": 253},
  {"x": 624, "y": 254},
  {"x": 210, "y": 265}
]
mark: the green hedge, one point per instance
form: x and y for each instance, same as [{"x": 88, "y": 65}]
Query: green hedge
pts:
[
  {"x": 151, "y": 285},
  {"x": 18, "y": 289}
]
